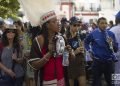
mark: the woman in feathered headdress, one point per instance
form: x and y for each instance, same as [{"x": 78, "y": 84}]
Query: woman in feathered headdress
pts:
[{"x": 43, "y": 51}]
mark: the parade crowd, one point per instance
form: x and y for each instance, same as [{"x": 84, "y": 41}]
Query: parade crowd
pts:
[{"x": 60, "y": 52}]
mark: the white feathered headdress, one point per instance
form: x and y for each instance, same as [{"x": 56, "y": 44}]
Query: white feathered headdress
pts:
[{"x": 39, "y": 11}]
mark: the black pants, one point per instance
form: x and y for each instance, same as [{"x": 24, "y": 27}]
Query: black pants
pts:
[
  {"x": 19, "y": 81},
  {"x": 100, "y": 68}
]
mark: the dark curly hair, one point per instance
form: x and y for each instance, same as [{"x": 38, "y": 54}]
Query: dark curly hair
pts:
[
  {"x": 20, "y": 24},
  {"x": 16, "y": 44},
  {"x": 44, "y": 32}
]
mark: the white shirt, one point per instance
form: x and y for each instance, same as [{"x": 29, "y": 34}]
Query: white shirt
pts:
[
  {"x": 116, "y": 31},
  {"x": 1, "y": 32}
]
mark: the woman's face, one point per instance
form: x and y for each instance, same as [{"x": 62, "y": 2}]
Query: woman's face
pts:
[
  {"x": 10, "y": 34},
  {"x": 18, "y": 26},
  {"x": 74, "y": 27},
  {"x": 53, "y": 25}
]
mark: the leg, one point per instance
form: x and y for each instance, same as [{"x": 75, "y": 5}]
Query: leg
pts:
[
  {"x": 97, "y": 73},
  {"x": 76, "y": 82},
  {"x": 82, "y": 80},
  {"x": 108, "y": 71},
  {"x": 71, "y": 82},
  {"x": 32, "y": 83}
]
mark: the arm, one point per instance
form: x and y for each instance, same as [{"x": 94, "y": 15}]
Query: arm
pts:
[
  {"x": 115, "y": 44},
  {"x": 89, "y": 39},
  {"x": 3, "y": 67},
  {"x": 71, "y": 52},
  {"x": 80, "y": 49},
  {"x": 87, "y": 42},
  {"x": 37, "y": 60},
  {"x": 18, "y": 56},
  {"x": 6, "y": 70},
  {"x": 38, "y": 63}
]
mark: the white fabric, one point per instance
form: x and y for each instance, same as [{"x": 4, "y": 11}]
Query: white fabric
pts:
[
  {"x": 34, "y": 9},
  {"x": 54, "y": 82},
  {"x": 60, "y": 44},
  {"x": 46, "y": 17},
  {"x": 87, "y": 56},
  {"x": 31, "y": 60},
  {"x": 50, "y": 83},
  {"x": 1, "y": 32},
  {"x": 34, "y": 59},
  {"x": 116, "y": 31},
  {"x": 38, "y": 43}
]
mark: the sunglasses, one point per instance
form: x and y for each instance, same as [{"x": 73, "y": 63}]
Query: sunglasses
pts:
[
  {"x": 76, "y": 25},
  {"x": 8, "y": 31}
]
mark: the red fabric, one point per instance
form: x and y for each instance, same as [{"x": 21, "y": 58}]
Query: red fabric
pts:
[{"x": 53, "y": 68}]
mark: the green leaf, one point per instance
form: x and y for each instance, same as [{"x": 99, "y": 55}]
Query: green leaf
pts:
[{"x": 9, "y": 8}]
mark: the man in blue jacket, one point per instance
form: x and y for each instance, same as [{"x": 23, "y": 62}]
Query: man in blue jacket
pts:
[{"x": 98, "y": 43}]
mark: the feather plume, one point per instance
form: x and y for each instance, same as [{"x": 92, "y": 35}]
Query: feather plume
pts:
[{"x": 34, "y": 9}]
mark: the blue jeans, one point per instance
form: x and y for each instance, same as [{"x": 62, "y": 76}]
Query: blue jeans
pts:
[{"x": 6, "y": 81}]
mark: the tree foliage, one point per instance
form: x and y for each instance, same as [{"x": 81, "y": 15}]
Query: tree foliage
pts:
[{"x": 9, "y": 8}]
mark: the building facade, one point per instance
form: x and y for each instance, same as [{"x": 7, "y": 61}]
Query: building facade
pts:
[{"x": 90, "y": 9}]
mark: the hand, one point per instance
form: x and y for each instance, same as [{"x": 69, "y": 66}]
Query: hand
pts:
[
  {"x": 51, "y": 48},
  {"x": 68, "y": 47},
  {"x": 26, "y": 55},
  {"x": 47, "y": 55},
  {"x": 109, "y": 40},
  {"x": 91, "y": 54},
  {"x": 79, "y": 50},
  {"x": 71, "y": 52},
  {"x": 10, "y": 73},
  {"x": 51, "y": 45},
  {"x": 14, "y": 56}
]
